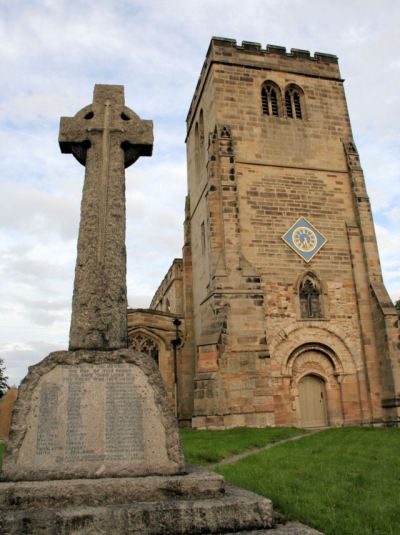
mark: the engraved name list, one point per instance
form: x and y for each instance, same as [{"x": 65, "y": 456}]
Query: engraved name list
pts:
[{"x": 99, "y": 397}]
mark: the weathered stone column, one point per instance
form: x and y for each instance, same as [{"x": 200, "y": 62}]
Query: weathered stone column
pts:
[
  {"x": 99, "y": 409},
  {"x": 105, "y": 137}
]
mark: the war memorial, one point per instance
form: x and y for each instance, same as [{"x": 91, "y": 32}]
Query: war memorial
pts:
[
  {"x": 94, "y": 446},
  {"x": 278, "y": 305}
]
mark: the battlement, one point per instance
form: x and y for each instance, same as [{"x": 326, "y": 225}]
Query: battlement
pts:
[
  {"x": 256, "y": 48},
  {"x": 249, "y": 54}
]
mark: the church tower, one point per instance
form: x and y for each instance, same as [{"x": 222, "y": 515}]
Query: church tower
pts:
[{"x": 287, "y": 318}]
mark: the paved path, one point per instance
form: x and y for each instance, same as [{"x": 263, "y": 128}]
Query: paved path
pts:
[{"x": 239, "y": 456}]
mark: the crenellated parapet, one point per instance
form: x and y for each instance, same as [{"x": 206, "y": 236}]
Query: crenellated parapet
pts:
[
  {"x": 251, "y": 46},
  {"x": 253, "y": 56}
]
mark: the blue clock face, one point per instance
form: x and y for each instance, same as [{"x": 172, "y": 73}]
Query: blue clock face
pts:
[{"x": 304, "y": 239}]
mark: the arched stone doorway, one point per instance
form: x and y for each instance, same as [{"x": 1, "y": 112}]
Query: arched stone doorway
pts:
[
  {"x": 332, "y": 358},
  {"x": 315, "y": 386},
  {"x": 312, "y": 398}
]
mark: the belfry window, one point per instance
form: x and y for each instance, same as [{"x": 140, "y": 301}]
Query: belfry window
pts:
[
  {"x": 293, "y": 103},
  {"x": 270, "y": 99},
  {"x": 310, "y": 297}
]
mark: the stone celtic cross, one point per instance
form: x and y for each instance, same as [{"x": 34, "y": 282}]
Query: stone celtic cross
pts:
[{"x": 105, "y": 137}]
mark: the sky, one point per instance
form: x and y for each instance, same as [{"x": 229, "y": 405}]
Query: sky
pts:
[{"x": 53, "y": 52}]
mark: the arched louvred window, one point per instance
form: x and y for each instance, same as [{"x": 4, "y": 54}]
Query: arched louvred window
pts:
[
  {"x": 310, "y": 297},
  {"x": 294, "y": 102},
  {"x": 270, "y": 99},
  {"x": 297, "y": 105},
  {"x": 288, "y": 104},
  {"x": 144, "y": 344}
]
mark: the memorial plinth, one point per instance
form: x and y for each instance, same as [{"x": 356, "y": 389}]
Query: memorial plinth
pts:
[{"x": 92, "y": 414}]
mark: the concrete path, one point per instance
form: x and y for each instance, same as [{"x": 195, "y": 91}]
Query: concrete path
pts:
[{"x": 243, "y": 455}]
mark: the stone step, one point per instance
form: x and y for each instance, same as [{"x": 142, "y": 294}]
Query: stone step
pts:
[
  {"x": 237, "y": 510},
  {"x": 196, "y": 484}
]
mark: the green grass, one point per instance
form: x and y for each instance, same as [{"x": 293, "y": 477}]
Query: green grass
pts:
[
  {"x": 340, "y": 481},
  {"x": 209, "y": 447}
]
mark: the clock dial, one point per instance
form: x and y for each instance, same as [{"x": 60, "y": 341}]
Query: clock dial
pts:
[{"x": 305, "y": 239}]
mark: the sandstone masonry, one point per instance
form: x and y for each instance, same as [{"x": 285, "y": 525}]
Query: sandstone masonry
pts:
[{"x": 269, "y": 337}]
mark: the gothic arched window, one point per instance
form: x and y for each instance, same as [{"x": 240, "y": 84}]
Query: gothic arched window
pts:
[
  {"x": 294, "y": 102},
  {"x": 310, "y": 297},
  {"x": 270, "y": 97},
  {"x": 144, "y": 344}
]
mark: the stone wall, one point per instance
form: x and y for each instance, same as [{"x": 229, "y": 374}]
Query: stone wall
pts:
[
  {"x": 251, "y": 176},
  {"x": 168, "y": 297},
  {"x": 151, "y": 330}
]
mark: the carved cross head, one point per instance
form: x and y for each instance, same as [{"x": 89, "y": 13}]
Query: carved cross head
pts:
[{"x": 109, "y": 117}]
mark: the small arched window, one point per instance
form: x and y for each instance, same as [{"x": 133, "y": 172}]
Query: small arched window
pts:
[
  {"x": 201, "y": 130},
  {"x": 197, "y": 148},
  {"x": 294, "y": 102},
  {"x": 310, "y": 297},
  {"x": 144, "y": 344},
  {"x": 270, "y": 97}
]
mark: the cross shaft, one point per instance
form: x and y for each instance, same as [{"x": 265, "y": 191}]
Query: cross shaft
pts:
[{"x": 105, "y": 137}]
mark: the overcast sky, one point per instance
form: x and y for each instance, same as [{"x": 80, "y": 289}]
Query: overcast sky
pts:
[{"x": 52, "y": 54}]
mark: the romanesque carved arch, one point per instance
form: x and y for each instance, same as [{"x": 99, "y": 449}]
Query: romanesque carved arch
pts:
[
  {"x": 292, "y": 341},
  {"x": 320, "y": 361},
  {"x": 333, "y": 362}
]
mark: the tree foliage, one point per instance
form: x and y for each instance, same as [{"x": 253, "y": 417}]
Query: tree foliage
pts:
[
  {"x": 397, "y": 305},
  {"x": 3, "y": 379}
]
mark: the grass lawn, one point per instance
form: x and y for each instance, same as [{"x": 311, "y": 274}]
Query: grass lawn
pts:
[
  {"x": 209, "y": 447},
  {"x": 340, "y": 481}
]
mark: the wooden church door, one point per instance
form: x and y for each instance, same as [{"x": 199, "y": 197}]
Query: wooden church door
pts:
[{"x": 312, "y": 402}]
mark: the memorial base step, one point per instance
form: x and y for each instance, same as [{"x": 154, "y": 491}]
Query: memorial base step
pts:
[{"x": 55, "y": 511}]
